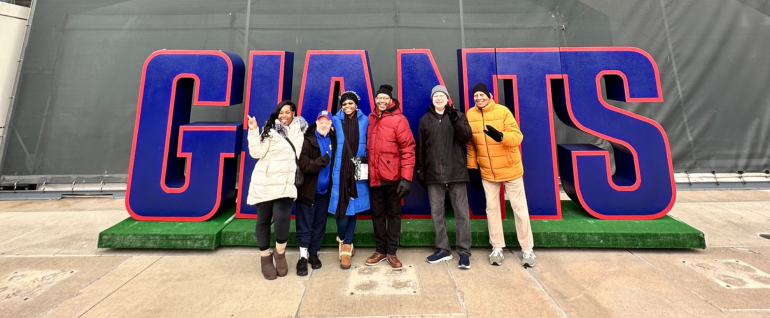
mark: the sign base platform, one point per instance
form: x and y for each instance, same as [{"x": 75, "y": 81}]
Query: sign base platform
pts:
[
  {"x": 576, "y": 229},
  {"x": 131, "y": 233}
]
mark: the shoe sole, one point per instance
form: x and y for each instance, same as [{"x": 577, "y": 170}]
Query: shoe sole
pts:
[
  {"x": 528, "y": 265},
  {"x": 372, "y": 264},
  {"x": 316, "y": 267},
  {"x": 464, "y": 266},
  {"x": 445, "y": 258},
  {"x": 301, "y": 273},
  {"x": 496, "y": 263}
]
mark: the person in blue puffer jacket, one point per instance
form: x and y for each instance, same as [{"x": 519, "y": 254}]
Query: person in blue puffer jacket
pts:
[{"x": 349, "y": 196}]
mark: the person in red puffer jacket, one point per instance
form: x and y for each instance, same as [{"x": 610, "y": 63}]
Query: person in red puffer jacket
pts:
[{"x": 390, "y": 150}]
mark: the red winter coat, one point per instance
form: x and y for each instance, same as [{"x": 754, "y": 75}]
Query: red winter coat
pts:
[{"x": 389, "y": 146}]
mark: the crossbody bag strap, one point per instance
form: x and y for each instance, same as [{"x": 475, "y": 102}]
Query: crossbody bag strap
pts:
[
  {"x": 292, "y": 147},
  {"x": 350, "y": 149}
]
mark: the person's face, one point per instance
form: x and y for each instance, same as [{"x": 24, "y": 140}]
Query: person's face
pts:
[
  {"x": 383, "y": 102},
  {"x": 481, "y": 99},
  {"x": 323, "y": 125},
  {"x": 286, "y": 115},
  {"x": 439, "y": 100},
  {"x": 349, "y": 107}
]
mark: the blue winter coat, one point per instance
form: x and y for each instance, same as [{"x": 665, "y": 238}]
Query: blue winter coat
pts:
[{"x": 361, "y": 203}]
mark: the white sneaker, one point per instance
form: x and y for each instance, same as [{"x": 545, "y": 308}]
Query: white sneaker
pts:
[
  {"x": 528, "y": 259},
  {"x": 496, "y": 257}
]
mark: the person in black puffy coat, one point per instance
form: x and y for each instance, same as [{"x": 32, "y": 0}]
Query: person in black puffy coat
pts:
[{"x": 441, "y": 167}]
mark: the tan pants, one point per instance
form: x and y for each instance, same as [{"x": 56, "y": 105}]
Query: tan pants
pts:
[{"x": 515, "y": 191}]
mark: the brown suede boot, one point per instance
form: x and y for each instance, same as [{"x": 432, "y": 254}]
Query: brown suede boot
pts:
[
  {"x": 281, "y": 267},
  {"x": 345, "y": 256},
  {"x": 268, "y": 269}
]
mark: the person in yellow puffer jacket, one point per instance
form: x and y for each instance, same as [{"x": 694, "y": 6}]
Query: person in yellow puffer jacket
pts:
[{"x": 494, "y": 150}]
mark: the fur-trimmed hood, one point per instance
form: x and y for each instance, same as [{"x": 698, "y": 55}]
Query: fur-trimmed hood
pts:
[{"x": 297, "y": 121}]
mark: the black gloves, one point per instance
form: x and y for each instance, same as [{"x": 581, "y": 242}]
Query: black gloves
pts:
[
  {"x": 452, "y": 113},
  {"x": 326, "y": 159},
  {"x": 475, "y": 176},
  {"x": 493, "y": 133},
  {"x": 421, "y": 179},
  {"x": 404, "y": 186}
]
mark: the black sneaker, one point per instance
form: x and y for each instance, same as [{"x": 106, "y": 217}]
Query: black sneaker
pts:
[
  {"x": 439, "y": 256},
  {"x": 315, "y": 263},
  {"x": 465, "y": 261},
  {"x": 302, "y": 267}
]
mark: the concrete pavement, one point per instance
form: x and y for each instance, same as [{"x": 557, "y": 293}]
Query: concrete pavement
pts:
[{"x": 50, "y": 267}]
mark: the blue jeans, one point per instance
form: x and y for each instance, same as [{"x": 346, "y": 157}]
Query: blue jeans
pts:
[
  {"x": 311, "y": 222},
  {"x": 346, "y": 227}
]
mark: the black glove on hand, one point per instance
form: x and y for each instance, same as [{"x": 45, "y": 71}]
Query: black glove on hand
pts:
[
  {"x": 493, "y": 133},
  {"x": 404, "y": 186},
  {"x": 475, "y": 176},
  {"x": 421, "y": 179},
  {"x": 326, "y": 159},
  {"x": 452, "y": 113}
]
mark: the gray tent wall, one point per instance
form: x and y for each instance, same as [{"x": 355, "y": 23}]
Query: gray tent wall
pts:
[{"x": 76, "y": 100}]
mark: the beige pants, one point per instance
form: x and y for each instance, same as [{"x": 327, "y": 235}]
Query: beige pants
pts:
[{"x": 515, "y": 191}]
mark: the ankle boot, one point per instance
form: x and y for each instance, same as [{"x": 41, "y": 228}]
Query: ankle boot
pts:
[
  {"x": 281, "y": 267},
  {"x": 345, "y": 256},
  {"x": 268, "y": 269}
]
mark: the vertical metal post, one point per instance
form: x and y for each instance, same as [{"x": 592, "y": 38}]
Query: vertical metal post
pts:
[
  {"x": 246, "y": 39},
  {"x": 462, "y": 25}
]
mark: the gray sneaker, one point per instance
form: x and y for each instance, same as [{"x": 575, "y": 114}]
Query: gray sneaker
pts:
[
  {"x": 496, "y": 257},
  {"x": 528, "y": 259}
]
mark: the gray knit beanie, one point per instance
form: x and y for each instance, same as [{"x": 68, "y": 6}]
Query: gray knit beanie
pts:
[{"x": 439, "y": 88}]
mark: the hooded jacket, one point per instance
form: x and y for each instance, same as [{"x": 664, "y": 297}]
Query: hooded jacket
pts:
[
  {"x": 498, "y": 161},
  {"x": 441, "y": 143},
  {"x": 311, "y": 163},
  {"x": 361, "y": 203},
  {"x": 390, "y": 146},
  {"x": 273, "y": 176}
]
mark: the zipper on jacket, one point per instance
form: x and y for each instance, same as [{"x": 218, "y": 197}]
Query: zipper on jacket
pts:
[
  {"x": 484, "y": 126},
  {"x": 441, "y": 162}
]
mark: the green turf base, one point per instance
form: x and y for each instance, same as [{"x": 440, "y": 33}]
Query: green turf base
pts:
[
  {"x": 576, "y": 229},
  {"x": 131, "y": 233}
]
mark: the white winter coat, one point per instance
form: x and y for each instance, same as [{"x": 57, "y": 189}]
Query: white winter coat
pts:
[{"x": 273, "y": 176}]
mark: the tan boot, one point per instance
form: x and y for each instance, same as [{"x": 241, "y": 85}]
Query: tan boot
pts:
[
  {"x": 345, "y": 256},
  {"x": 340, "y": 246}
]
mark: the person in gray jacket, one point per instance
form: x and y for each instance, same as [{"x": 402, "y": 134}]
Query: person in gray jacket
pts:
[{"x": 441, "y": 168}]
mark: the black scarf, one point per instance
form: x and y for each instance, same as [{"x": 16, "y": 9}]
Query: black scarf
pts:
[{"x": 347, "y": 176}]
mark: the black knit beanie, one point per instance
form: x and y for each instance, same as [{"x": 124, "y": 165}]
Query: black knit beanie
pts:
[
  {"x": 385, "y": 89},
  {"x": 349, "y": 95},
  {"x": 480, "y": 87}
]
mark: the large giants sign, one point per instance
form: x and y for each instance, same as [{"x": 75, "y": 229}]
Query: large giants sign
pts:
[{"x": 182, "y": 171}]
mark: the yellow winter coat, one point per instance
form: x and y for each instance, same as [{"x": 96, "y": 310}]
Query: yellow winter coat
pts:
[{"x": 498, "y": 161}]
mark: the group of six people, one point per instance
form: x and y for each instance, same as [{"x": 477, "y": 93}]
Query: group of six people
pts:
[{"x": 351, "y": 163}]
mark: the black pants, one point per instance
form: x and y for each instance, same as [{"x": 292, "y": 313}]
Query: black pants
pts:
[
  {"x": 387, "y": 226},
  {"x": 311, "y": 222},
  {"x": 278, "y": 209}
]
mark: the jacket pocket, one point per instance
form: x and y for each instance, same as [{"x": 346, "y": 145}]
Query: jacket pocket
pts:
[{"x": 389, "y": 167}]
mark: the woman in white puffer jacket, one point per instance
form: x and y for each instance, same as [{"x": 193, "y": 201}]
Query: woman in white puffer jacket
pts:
[{"x": 272, "y": 187}]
